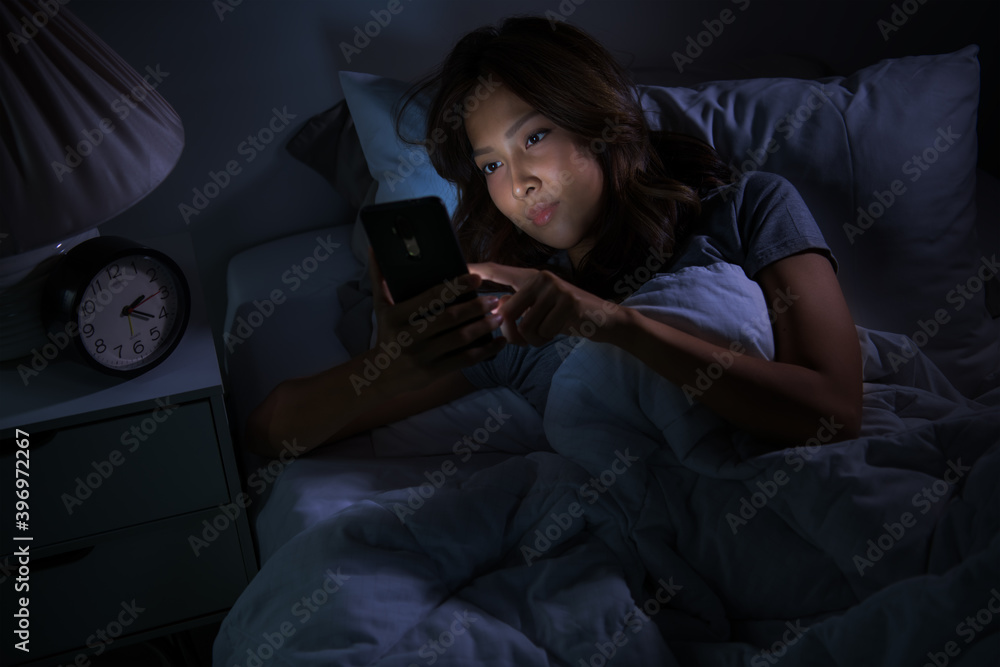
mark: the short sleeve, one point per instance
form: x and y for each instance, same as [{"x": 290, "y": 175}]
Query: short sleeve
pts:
[
  {"x": 751, "y": 223},
  {"x": 774, "y": 222}
]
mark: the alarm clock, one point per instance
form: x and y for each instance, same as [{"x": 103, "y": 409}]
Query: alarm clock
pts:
[{"x": 125, "y": 305}]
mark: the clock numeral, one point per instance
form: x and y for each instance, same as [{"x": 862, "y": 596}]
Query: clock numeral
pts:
[
  {"x": 96, "y": 287},
  {"x": 114, "y": 271},
  {"x": 154, "y": 333},
  {"x": 119, "y": 348},
  {"x": 151, "y": 272},
  {"x": 88, "y": 330},
  {"x": 164, "y": 292},
  {"x": 138, "y": 347},
  {"x": 99, "y": 344},
  {"x": 89, "y": 307},
  {"x": 163, "y": 312}
]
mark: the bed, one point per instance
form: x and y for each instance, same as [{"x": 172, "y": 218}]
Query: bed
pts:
[{"x": 629, "y": 525}]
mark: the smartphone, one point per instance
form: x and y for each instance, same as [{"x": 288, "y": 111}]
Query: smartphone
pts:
[{"x": 416, "y": 249}]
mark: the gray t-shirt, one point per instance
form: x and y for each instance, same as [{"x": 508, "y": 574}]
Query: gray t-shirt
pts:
[{"x": 752, "y": 223}]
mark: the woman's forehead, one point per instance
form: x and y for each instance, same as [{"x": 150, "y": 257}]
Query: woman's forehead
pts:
[{"x": 496, "y": 114}]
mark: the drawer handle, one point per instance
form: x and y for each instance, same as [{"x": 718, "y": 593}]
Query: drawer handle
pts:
[
  {"x": 57, "y": 560},
  {"x": 8, "y": 445}
]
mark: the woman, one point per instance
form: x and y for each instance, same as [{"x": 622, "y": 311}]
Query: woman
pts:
[{"x": 563, "y": 194}]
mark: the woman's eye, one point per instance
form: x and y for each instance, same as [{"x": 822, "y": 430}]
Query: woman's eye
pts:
[
  {"x": 536, "y": 137},
  {"x": 490, "y": 167}
]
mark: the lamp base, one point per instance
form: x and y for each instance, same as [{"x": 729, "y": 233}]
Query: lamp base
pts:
[{"x": 22, "y": 280}]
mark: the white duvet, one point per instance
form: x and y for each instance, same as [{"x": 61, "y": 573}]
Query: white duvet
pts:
[{"x": 654, "y": 533}]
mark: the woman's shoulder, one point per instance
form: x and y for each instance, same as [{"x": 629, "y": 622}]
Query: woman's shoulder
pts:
[{"x": 751, "y": 187}]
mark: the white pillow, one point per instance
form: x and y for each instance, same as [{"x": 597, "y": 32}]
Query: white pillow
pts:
[
  {"x": 600, "y": 388},
  {"x": 401, "y": 170},
  {"x": 886, "y": 161}
]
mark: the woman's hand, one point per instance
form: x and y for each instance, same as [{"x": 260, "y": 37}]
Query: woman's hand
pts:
[
  {"x": 421, "y": 336},
  {"x": 550, "y": 306}
]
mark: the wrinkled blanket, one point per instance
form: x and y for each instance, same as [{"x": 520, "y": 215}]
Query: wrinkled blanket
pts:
[{"x": 657, "y": 535}]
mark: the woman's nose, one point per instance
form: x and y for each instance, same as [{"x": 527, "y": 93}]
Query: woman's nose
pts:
[{"x": 524, "y": 181}]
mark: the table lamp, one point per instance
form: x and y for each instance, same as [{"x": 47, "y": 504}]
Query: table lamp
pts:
[{"x": 83, "y": 136}]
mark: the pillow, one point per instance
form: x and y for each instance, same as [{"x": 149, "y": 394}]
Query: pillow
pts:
[
  {"x": 328, "y": 143},
  {"x": 602, "y": 389},
  {"x": 885, "y": 159},
  {"x": 279, "y": 323},
  {"x": 402, "y": 171}
]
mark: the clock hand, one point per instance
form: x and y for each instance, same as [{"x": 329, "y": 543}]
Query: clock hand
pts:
[
  {"x": 146, "y": 299},
  {"x": 127, "y": 309},
  {"x": 139, "y": 313}
]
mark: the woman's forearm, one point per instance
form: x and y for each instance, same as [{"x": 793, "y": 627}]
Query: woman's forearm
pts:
[
  {"x": 305, "y": 412},
  {"x": 782, "y": 402}
]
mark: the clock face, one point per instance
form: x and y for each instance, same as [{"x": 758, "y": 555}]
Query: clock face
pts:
[{"x": 132, "y": 312}]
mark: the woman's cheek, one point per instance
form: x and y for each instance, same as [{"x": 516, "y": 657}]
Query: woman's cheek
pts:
[{"x": 498, "y": 195}]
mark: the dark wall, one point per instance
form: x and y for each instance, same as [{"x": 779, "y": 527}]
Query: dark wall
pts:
[{"x": 228, "y": 71}]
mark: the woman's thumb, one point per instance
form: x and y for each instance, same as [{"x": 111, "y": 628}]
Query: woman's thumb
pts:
[{"x": 380, "y": 292}]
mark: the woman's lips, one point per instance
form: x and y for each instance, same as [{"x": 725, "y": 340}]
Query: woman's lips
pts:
[{"x": 541, "y": 214}]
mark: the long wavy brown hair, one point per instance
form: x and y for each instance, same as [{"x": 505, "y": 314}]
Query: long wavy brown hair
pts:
[{"x": 653, "y": 181}]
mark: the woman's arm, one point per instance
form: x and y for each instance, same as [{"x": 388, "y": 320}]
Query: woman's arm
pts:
[
  {"x": 415, "y": 366},
  {"x": 815, "y": 379},
  {"x": 814, "y": 382},
  {"x": 304, "y": 413}
]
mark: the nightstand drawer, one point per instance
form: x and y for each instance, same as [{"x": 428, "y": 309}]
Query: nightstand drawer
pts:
[
  {"x": 141, "y": 579},
  {"x": 119, "y": 472}
]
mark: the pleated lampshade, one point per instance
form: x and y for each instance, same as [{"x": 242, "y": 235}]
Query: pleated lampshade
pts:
[{"x": 83, "y": 136}]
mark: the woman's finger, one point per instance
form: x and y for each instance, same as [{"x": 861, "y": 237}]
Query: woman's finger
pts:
[
  {"x": 514, "y": 276},
  {"x": 380, "y": 291}
]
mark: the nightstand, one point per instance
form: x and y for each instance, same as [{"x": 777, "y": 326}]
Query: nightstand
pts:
[{"x": 136, "y": 524}]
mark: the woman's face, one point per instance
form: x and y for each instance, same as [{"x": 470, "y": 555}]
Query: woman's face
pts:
[{"x": 536, "y": 173}]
